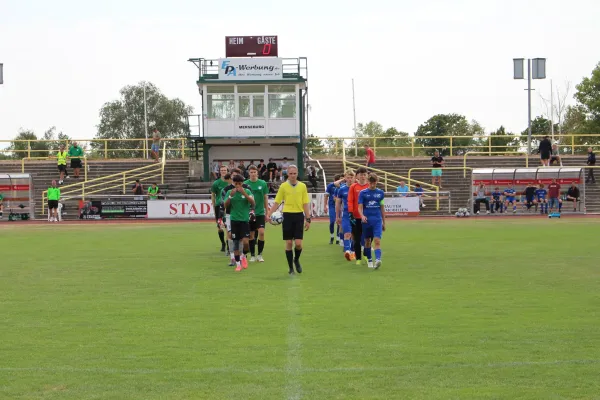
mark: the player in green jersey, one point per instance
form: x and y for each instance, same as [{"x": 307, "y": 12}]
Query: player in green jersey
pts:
[
  {"x": 240, "y": 201},
  {"x": 217, "y": 202},
  {"x": 260, "y": 190}
]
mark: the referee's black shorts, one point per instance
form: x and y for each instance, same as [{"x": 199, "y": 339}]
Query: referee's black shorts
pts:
[
  {"x": 293, "y": 226},
  {"x": 53, "y": 204}
]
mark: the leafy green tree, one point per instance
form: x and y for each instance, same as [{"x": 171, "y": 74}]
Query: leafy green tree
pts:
[
  {"x": 123, "y": 119},
  {"x": 501, "y": 141},
  {"x": 315, "y": 146},
  {"x": 454, "y": 125},
  {"x": 385, "y": 142},
  {"x": 39, "y": 147}
]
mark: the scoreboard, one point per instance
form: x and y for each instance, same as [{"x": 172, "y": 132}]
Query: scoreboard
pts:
[{"x": 251, "y": 46}]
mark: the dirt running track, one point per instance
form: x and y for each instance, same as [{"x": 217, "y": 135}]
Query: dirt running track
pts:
[{"x": 321, "y": 220}]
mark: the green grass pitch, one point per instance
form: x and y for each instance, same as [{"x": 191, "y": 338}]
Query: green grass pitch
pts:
[{"x": 461, "y": 309}]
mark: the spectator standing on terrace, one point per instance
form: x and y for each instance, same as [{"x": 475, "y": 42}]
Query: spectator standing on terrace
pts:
[
  {"x": 75, "y": 154},
  {"x": 284, "y": 169},
  {"x": 61, "y": 157},
  {"x": 153, "y": 192},
  {"x": 231, "y": 165},
  {"x": 155, "y": 149},
  {"x": 272, "y": 170},
  {"x": 573, "y": 195},
  {"x": 402, "y": 189},
  {"x": 480, "y": 197},
  {"x": 591, "y": 161},
  {"x": 437, "y": 162},
  {"x": 262, "y": 169},
  {"x": 369, "y": 156},
  {"x": 545, "y": 149},
  {"x": 554, "y": 196}
]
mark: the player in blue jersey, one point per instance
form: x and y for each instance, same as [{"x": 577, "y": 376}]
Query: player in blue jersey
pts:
[
  {"x": 510, "y": 198},
  {"x": 340, "y": 234},
  {"x": 343, "y": 215},
  {"x": 497, "y": 200},
  {"x": 372, "y": 211},
  {"x": 541, "y": 198},
  {"x": 330, "y": 208}
]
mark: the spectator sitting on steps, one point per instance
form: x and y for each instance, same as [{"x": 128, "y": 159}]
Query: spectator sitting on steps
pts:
[
  {"x": 153, "y": 192},
  {"x": 262, "y": 170},
  {"x": 573, "y": 195},
  {"x": 137, "y": 188},
  {"x": 402, "y": 189},
  {"x": 311, "y": 173},
  {"x": 555, "y": 155}
]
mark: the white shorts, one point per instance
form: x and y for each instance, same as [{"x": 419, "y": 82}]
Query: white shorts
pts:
[{"x": 228, "y": 223}]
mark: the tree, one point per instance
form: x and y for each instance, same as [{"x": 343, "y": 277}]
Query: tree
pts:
[
  {"x": 503, "y": 144},
  {"x": 453, "y": 125},
  {"x": 556, "y": 106},
  {"x": 386, "y": 142},
  {"x": 588, "y": 95},
  {"x": 123, "y": 119},
  {"x": 314, "y": 146},
  {"x": 38, "y": 147}
]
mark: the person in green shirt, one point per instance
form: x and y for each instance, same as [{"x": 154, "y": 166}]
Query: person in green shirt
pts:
[
  {"x": 53, "y": 198},
  {"x": 260, "y": 190},
  {"x": 217, "y": 202},
  {"x": 1, "y": 205},
  {"x": 75, "y": 154},
  {"x": 241, "y": 202},
  {"x": 153, "y": 192}
]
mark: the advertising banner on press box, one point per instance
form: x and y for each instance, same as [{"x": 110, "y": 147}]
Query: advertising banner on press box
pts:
[{"x": 248, "y": 69}]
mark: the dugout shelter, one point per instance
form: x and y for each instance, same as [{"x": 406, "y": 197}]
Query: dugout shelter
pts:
[{"x": 17, "y": 193}]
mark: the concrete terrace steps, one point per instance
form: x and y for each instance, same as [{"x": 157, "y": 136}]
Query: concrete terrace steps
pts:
[{"x": 454, "y": 181}]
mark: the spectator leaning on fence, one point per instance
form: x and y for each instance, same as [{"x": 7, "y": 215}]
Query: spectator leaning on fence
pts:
[
  {"x": 402, "y": 189},
  {"x": 573, "y": 195},
  {"x": 153, "y": 192},
  {"x": 480, "y": 197},
  {"x": 591, "y": 161},
  {"x": 75, "y": 154}
]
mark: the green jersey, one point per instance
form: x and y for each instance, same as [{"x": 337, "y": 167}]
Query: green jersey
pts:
[
  {"x": 75, "y": 152},
  {"x": 1, "y": 198},
  {"x": 153, "y": 192},
  {"x": 240, "y": 206},
  {"x": 53, "y": 193},
  {"x": 259, "y": 189},
  {"x": 216, "y": 189}
]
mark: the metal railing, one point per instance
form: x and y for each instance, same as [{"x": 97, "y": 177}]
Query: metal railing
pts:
[
  {"x": 85, "y": 165},
  {"x": 98, "y": 185},
  {"x": 93, "y": 148},
  {"x": 444, "y": 169},
  {"x": 479, "y": 153},
  {"x": 455, "y": 145},
  {"x": 390, "y": 178}
]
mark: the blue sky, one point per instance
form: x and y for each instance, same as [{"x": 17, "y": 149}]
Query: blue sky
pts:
[{"x": 410, "y": 60}]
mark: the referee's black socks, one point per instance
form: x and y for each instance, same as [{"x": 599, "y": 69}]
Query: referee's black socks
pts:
[{"x": 290, "y": 258}]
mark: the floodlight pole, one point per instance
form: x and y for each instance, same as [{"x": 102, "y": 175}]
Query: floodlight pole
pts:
[
  {"x": 539, "y": 66},
  {"x": 529, "y": 106}
]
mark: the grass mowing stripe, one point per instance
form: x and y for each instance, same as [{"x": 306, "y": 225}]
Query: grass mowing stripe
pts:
[{"x": 293, "y": 368}]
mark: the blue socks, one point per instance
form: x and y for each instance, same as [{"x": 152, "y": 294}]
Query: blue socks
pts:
[
  {"x": 367, "y": 252},
  {"x": 377, "y": 254},
  {"x": 347, "y": 245}
]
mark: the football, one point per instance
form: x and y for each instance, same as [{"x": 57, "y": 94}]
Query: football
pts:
[{"x": 276, "y": 218}]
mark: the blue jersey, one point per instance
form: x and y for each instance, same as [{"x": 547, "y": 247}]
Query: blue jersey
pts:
[
  {"x": 496, "y": 195},
  {"x": 331, "y": 192},
  {"x": 541, "y": 193},
  {"x": 371, "y": 201},
  {"x": 510, "y": 192},
  {"x": 342, "y": 194}
]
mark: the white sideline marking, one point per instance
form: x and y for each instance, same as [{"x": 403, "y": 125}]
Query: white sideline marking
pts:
[
  {"x": 269, "y": 370},
  {"x": 293, "y": 367}
]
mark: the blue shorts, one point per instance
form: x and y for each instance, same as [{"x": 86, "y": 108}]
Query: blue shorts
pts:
[
  {"x": 372, "y": 230},
  {"x": 154, "y": 148},
  {"x": 332, "y": 214},
  {"x": 511, "y": 200},
  {"x": 346, "y": 224}
]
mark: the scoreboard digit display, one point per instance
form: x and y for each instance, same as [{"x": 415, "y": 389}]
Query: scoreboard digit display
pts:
[{"x": 251, "y": 46}]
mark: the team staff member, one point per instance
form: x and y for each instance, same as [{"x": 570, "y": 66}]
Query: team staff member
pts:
[
  {"x": 53, "y": 198},
  {"x": 75, "y": 153},
  {"x": 62, "y": 163},
  {"x": 239, "y": 201},
  {"x": 217, "y": 202},
  {"x": 357, "y": 187},
  {"x": 296, "y": 207},
  {"x": 260, "y": 190}
]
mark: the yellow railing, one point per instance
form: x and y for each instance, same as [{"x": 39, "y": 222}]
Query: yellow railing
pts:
[
  {"x": 85, "y": 168},
  {"x": 118, "y": 180},
  {"x": 393, "y": 179},
  {"x": 431, "y": 168},
  {"x": 410, "y": 145},
  {"x": 479, "y": 153},
  {"x": 102, "y": 149}
]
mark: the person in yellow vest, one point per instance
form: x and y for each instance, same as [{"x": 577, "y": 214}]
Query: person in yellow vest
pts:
[
  {"x": 61, "y": 156},
  {"x": 153, "y": 192},
  {"x": 53, "y": 198}
]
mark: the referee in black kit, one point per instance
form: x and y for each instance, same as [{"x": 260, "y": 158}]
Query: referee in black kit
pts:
[{"x": 296, "y": 206}]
